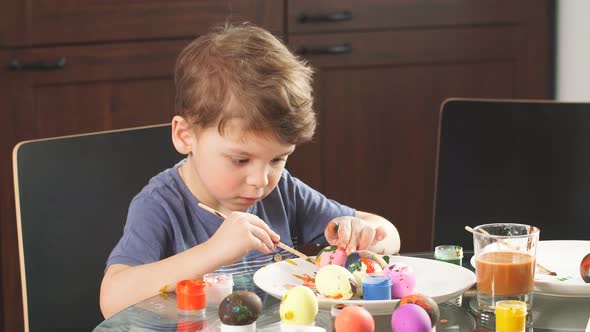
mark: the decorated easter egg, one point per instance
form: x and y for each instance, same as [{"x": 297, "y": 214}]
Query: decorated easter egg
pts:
[
  {"x": 240, "y": 308},
  {"x": 410, "y": 318},
  {"x": 427, "y": 303},
  {"x": 403, "y": 279},
  {"x": 366, "y": 256},
  {"x": 336, "y": 282},
  {"x": 354, "y": 319},
  {"x": 585, "y": 268},
  {"x": 330, "y": 255},
  {"x": 299, "y": 306}
]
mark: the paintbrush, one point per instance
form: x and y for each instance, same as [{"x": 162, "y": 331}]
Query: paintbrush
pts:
[
  {"x": 278, "y": 244},
  {"x": 541, "y": 268}
]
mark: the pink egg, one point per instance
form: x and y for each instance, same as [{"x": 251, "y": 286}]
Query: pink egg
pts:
[
  {"x": 330, "y": 255},
  {"x": 410, "y": 318},
  {"x": 403, "y": 279}
]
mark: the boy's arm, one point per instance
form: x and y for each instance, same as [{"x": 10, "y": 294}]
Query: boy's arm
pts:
[
  {"x": 124, "y": 285},
  {"x": 390, "y": 245}
]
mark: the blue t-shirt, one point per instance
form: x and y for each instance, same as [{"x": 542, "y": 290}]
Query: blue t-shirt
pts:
[{"x": 164, "y": 219}]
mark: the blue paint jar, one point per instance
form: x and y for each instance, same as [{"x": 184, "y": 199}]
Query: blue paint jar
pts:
[{"x": 376, "y": 287}]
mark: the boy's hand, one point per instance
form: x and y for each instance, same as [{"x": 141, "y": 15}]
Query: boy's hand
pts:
[
  {"x": 242, "y": 232},
  {"x": 352, "y": 234}
]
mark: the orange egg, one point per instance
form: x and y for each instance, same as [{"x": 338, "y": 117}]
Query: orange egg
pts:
[{"x": 354, "y": 319}]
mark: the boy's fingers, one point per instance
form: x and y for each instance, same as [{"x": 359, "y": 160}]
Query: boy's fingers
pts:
[
  {"x": 262, "y": 235},
  {"x": 367, "y": 236},
  {"x": 260, "y": 223},
  {"x": 352, "y": 245},
  {"x": 380, "y": 234},
  {"x": 331, "y": 233},
  {"x": 344, "y": 232},
  {"x": 331, "y": 230}
]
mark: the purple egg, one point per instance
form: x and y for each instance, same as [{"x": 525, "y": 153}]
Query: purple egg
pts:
[{"x": 410, "y": 318}]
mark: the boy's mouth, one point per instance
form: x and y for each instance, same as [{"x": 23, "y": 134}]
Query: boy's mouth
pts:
[{"x": 249, "y": 199}]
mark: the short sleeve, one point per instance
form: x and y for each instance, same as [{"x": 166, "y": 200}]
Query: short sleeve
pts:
[
  {"x": 313, "y": 211},
  {"x": 145, "y": 236}
]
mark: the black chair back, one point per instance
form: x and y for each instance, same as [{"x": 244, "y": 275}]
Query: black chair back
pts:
[
  {"x": 72, "y": 199},
  {"x": 513, "y": 161}
]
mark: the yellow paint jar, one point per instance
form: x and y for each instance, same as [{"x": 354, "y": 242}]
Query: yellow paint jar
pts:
[{"x": 510, "y": 316}]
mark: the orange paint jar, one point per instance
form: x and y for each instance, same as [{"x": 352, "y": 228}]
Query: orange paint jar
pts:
[{"x": 191, "y": 296}]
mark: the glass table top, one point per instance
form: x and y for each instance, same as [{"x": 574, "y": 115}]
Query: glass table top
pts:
[{"x": 159, "y": 313}]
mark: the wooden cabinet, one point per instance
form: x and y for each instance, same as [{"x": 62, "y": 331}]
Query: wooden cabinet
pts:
[
  {"x": 383, "y": 69},
  {"x": 49, "y": 22},
  {"x": 69, "y": 67},
  {"x": 100, "y": 87},
  {"x": 312, "y": 16}
]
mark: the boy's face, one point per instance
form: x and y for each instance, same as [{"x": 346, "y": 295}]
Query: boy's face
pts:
[{"x": 234, "y": 171}]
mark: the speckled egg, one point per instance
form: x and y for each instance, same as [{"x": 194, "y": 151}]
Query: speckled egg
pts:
[
  {"x": 299, "y": 306},
  {"x": 366, "y": 256},
  {"x": 354, "y": 319},
  {"x": 240, "y": 308},
  {"x": 330, "y": 255},
  {"x": 427, "y": 303},
  {"x": 585, "y": 268},
  {"x": 336, "y": 282},
  {"x": 410, "y": 318},
  {"x": 403, "y": 279}
]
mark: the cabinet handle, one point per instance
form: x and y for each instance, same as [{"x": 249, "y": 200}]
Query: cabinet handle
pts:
[
  {"x": 333, "y": 50},
  {"x": 342, "y": 16},
  {"x": 38, "y": 65}
]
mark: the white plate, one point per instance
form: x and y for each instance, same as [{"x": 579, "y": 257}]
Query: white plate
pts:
[
  {"x": 439, "y": 280},
  {"x": 563, "y": 257}
]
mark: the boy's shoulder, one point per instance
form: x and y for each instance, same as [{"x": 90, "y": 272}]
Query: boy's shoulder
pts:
[
  {"x": 165, "y": 183},
  {"x": 290, "y": 182}
]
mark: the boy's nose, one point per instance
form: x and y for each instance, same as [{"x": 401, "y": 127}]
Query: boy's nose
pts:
[{"x": 258, "y": 178}]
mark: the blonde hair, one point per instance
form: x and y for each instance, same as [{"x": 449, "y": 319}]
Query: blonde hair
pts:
[{"x": 269, "y": 88}]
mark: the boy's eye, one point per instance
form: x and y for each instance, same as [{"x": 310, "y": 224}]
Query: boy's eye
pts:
[
  {"x": 278, "y": 160},
  {"x": 239, "y": 161}
]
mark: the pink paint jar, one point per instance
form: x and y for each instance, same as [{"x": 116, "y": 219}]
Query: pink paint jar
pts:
[{"x": 218, "y": 286}]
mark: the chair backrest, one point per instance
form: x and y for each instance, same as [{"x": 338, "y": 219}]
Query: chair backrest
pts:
[
  {"x": 516, "y": 161},
  {"x": 72, "y": 197}
]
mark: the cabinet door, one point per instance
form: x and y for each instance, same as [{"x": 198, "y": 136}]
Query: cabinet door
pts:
[
  {"x": 43, "y": 22},
  {"x": 378, "y": 104},
  {"x": 99, "y": 87}
]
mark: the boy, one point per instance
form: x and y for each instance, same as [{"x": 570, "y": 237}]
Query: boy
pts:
[{"x": 243, "y": 103}]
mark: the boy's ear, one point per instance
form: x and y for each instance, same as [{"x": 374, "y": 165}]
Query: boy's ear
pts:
[{"x": 182, "y": 135}]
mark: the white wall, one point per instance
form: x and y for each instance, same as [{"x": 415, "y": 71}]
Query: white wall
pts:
[{"x": 573, "y": 50}]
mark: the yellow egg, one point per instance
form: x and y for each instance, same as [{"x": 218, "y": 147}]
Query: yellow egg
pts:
[
  {"x": 299, "y": 306},
  {"x": 336, "y": 282}
]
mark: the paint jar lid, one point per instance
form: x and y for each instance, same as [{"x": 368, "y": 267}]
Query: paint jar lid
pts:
[
  {"x": 376, "y": 280},
  {"x": 218, "y": 279},
  {"x": 512, "y": 308},
  {"x": 448, "y": 252}
]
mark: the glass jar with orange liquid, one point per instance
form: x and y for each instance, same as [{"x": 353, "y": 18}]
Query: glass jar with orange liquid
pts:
[{"x": 504, "y": 263}]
